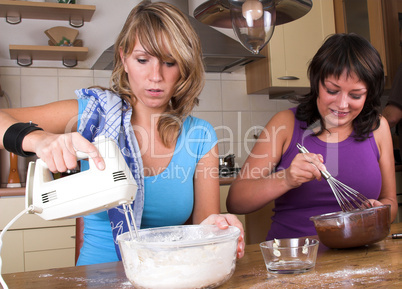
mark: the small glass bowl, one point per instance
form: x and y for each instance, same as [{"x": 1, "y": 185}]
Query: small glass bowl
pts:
[{"x": 290, "y": 256}]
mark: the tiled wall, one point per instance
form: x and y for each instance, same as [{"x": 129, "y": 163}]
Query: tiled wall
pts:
[
  {"x": 223, "y": 102},
  {"x": 235, "y": 115}
]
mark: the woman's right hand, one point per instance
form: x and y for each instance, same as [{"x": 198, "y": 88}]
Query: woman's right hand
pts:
[
  {"x": 305, "y": 167},
  {"x": 58, "y": 151},
  {"x": 223, "y": 221}
]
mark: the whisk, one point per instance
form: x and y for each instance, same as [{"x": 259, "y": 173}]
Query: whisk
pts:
[{"x": 347, "y": 198}]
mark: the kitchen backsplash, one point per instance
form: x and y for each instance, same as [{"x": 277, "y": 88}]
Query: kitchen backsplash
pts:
[{"x": 224, "y": 102}]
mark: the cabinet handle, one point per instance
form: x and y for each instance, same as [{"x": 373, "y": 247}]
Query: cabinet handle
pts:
[{"x": 288, "y": 78}]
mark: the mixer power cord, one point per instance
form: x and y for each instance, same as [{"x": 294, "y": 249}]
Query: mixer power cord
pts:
[{"x": 30, "y": 209}]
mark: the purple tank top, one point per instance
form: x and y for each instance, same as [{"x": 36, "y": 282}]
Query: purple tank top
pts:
[{"x": 353, "y": 163}]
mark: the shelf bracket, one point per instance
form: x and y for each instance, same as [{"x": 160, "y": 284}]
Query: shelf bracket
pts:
[
  {"x": 69, "y": 62},
  {"x": 13, "y": 19},
  {"x": 77, "y": 22},
  {"x": 24, "y": 60}
]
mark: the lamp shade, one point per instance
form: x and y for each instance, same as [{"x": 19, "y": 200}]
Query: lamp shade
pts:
[
  {"x": 217, "y": 12},
  {"x": 253, "y": 22}
]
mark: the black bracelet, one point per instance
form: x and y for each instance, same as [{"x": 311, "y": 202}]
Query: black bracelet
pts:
[{"x": 12, "y": 139}]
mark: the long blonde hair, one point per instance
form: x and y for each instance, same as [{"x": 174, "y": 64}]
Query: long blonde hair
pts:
[{"x": 166, "y": 33}]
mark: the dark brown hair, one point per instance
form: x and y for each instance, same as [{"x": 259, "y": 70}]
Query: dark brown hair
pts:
[{"x": 353, "y": 54}]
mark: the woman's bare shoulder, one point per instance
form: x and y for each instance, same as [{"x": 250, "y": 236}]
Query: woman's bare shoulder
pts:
[{"x": 284, "y": 117}]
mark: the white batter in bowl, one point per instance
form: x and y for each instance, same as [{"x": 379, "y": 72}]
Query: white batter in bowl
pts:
[{"x": 196, "y": 256}]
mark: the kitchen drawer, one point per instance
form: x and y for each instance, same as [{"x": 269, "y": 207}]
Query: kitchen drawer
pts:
[
  {"x": 12, "y": 206},
  {"x": 41, "y": 260},
  {"x": 49, "y": 238},
  {"x": 12, "y": 253}
]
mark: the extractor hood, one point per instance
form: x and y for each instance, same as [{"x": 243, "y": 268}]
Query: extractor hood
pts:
[{"x": 221, "y": 53}]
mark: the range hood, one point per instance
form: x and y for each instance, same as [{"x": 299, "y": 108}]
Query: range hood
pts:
[{"x": 221, "y": 53}]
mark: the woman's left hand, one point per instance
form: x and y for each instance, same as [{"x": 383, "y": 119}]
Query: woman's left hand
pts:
[
  {"x": 223, "y": 221},
  {"x": 375, "y": 203}
]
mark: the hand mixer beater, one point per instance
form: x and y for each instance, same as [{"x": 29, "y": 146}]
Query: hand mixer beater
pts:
[{"x": 347, "y": 198}]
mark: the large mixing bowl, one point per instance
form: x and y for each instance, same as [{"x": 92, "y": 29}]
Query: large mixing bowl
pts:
[
  {"x": 196, "y": 256},
  {"x": 353, "y": 229}
]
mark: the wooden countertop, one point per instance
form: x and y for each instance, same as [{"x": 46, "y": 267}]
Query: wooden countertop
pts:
[
  {"x": 376, "y": 266},
  {"x": 226, "y": 180},
  {"x": 8, "y": 192}
]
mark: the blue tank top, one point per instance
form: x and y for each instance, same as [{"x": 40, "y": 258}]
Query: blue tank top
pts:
[
  {"x": 169, "y": 195},
  {"x": 351, "y": 162}
]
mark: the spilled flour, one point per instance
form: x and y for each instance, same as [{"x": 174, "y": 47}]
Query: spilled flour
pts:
[
  {"x": 93, "y": 283},
  {"x": 261, "y": 279},
  {"x": 337, "y": 279}
]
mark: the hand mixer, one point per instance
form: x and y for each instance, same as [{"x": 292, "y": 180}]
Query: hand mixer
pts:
[
  {"x": 85, "y": 192},
  {"x": 347, "y": 198},
  {"x": 82, "y": 193}
]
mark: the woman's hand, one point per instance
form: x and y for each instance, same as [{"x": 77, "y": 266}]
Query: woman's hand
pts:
[
  {"x": 223, "y": 221},
  {"x": 305, "y": 167},
  {"x": 58, "y": 151},
  {"x": 375, "y": 203}
]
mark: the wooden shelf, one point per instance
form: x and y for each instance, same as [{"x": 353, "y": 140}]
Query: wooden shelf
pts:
[
  {"x": 74, "y": 13},
  {"x": 25, "y": 54}
]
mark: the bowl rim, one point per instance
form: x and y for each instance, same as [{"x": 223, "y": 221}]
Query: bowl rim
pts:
[
  {"x": 313, "y": 242},
  {"x": 343, "y": 214},
  {"x": 232, "y": 233}
]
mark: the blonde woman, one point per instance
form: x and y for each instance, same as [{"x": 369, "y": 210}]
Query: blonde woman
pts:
[{"x": 157, "y": 77}]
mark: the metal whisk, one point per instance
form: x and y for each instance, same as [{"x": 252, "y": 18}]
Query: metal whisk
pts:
[{"x": 347, "y": 198}]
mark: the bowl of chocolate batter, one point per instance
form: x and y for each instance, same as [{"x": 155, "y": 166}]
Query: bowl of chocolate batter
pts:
[{"x": 353, "y": 229}]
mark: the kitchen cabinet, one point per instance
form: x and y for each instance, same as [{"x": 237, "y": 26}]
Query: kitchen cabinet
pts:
[
  {"x": 284, "y": 70},
  {"x": 32, "y": 243},
  {"x": 398, "y": 178},
  {"x": 224, "y": 190},
  {"x": 392, "y": 10},
  {"x": 378, "y": 21},
  {"x": 256, "y": 224},
  {"x": 76, "y": 15}
]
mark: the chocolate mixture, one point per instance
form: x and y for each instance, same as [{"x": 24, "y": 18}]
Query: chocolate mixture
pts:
[{"x": 356, "y": 229}]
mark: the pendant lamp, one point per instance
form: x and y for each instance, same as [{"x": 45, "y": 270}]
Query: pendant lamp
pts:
[{"x": 253, "y": 21}]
